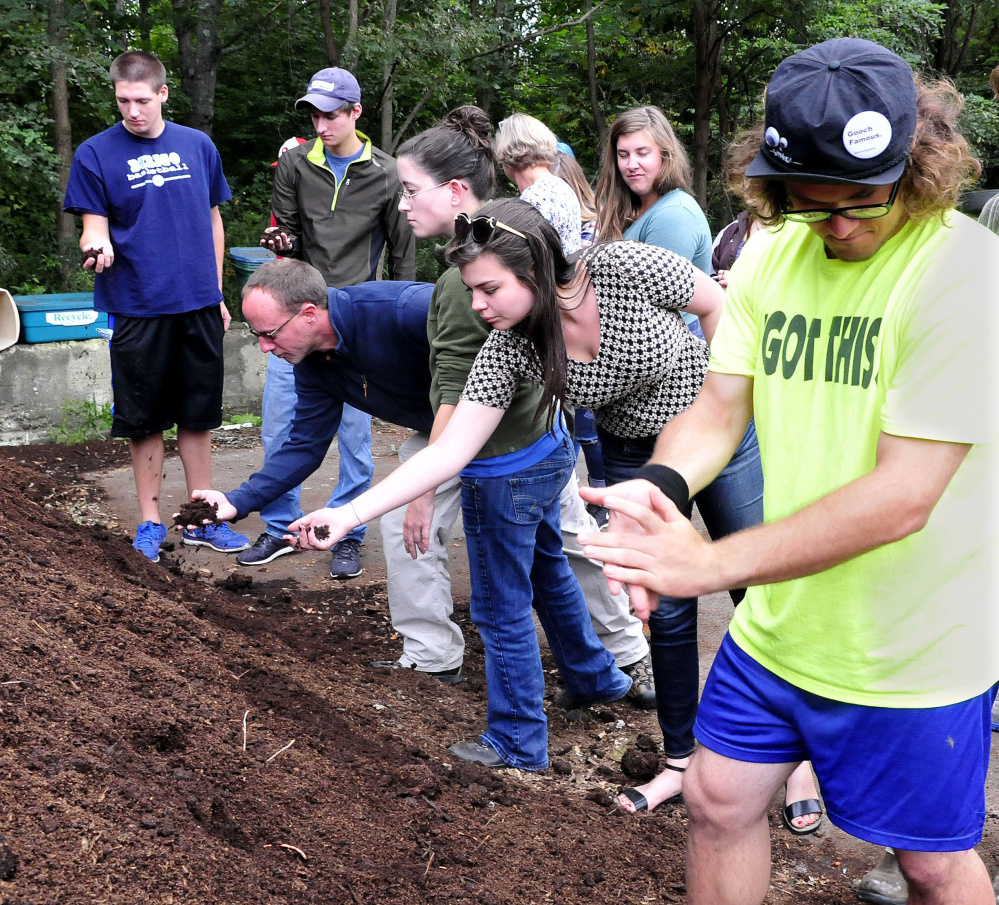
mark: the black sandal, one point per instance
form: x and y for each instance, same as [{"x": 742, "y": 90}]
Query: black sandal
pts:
[
  {"x": 795, "y": 809},
  {"x": 641, "y": 803}
]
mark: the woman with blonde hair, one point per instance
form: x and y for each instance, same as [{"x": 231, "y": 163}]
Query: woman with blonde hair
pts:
[{"x": 526, "y": 148}]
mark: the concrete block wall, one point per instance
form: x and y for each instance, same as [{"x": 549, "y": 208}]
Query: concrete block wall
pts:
[{"x": 36, "y": 380}]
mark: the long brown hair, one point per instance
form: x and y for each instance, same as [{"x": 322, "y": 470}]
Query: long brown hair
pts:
[
  {"x": 617, "y": 204},
  {"x": 538, "y": 262},
  {"x": 567, "y": 168},
  {"x": 940, "y": 165}
]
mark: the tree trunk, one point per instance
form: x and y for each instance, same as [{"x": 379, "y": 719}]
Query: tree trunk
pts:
[
  {"x": 332, "y": 54},
  {"x": 349, "y": 56},
  {"x": 706, "y": 75},
  {"x": 388, "y": 68},
  {"x": 65, "y": 223},
  {"x": 591, "y": 74},
  {"x": 195, "y": 23}
]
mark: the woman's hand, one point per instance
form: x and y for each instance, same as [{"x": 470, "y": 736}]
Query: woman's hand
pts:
[
  {"x": 416, "y": 524},
  {"x": 321, "y": 529}
]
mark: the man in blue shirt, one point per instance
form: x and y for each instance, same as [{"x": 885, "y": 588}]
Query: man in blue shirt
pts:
[{"x": 149, "y": 193}]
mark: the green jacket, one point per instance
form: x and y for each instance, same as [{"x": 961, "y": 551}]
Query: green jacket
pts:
[
  {"x": 341, "y": 231},
  {"x": 456, "y": 334}
]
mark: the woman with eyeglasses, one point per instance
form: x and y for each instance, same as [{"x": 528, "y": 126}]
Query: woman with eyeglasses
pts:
[
  {"x": 603, "y": 331},
  {"x": 509, "y": 491}
]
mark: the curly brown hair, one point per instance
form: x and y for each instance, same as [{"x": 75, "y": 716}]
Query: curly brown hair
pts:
[
  {"x": 994, "y": 82},
  {"x": 940, "y": 165}
]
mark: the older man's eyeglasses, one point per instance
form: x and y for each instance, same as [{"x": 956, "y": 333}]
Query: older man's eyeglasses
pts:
[
  {"x": 481, "y": 228},
  {"x": 270, "y": 334}
]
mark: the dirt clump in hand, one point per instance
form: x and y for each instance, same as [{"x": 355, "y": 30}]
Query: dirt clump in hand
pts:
[
  {"x": 91, "y": 254},
  {"x": 321, "y": 532},
  {"x": 197, "y": 512}
]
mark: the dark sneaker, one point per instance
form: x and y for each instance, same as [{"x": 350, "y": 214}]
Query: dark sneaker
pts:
[
  {"x": 567, "y": 702},
  {"x": 600, "y": 513},
  {"x": 219, "y": 537},
  {"x": 148, "y": 537},
  {"x": 477, "y": 754},
  {"x": 643, "y": 686},
  {"x": 346, "y": 559},
  {"x": 265, "y": 549},
  {"x": 447, "y": 676}
]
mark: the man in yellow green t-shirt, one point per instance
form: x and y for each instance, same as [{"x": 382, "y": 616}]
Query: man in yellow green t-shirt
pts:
[{"x": 860, "y": 331}]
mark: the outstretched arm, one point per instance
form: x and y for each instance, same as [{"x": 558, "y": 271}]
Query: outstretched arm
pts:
[
  {"x": 466, "y": 432},
  {"x": 666, "y": 555}
]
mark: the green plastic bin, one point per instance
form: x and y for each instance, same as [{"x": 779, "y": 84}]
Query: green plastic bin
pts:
[{"x": 246, "y": 260}]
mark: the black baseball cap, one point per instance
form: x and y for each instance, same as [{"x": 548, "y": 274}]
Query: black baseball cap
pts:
[{"x": 843, "y": 111}]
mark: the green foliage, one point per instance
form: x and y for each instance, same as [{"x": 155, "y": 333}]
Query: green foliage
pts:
[
  {"x": 82, "y": 422},
  {"x": 440, "y": 53},
  {"x": 980, "y": 125}
]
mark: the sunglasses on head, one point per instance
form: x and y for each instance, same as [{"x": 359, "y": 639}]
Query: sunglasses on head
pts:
[
  {"x": 855, "y": 212},
  {"x": 481, "y": 228}
]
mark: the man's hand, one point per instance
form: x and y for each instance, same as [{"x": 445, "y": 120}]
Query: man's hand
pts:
[
  {"x": 226, "y": 318},
  {"x": 650, "y": 546},
  {"x": 416, "y": 524},
  {"x": 97, "y": 257},
  {"x": 224, "y": 512},
  {"x": 321, "y": 529},
  {"x": 277, "y": 239}
]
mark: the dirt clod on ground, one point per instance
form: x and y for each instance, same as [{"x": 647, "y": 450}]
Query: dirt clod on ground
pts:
[{"x": 166, "y": 741}]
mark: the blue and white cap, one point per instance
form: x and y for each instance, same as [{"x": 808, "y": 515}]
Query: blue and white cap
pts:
[
  {"x": 843, "y": 111},
  {"x": 330, "y": 89}
]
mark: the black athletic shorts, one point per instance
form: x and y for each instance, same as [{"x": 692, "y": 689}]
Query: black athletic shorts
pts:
[{"x": 167, "y": 370}]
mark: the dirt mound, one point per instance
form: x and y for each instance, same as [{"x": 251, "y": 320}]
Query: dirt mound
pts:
[{"x": 166, "y": 741}]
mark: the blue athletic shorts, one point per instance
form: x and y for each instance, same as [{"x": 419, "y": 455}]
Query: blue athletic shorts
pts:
[{"x": 913, "y": 779}]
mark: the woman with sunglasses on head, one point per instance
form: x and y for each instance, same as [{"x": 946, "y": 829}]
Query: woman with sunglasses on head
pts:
[
  {"x": 510, "y": 492},
  {"x": 603, "y": 332}
]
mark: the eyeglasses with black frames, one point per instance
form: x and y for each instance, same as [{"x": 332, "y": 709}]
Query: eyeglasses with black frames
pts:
[
  {"x": 481, "y": 228},
  {"x": 856, "y": 212}
]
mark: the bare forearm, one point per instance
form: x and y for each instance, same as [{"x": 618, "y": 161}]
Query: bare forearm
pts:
[
  {"x": 700, "y": 441},
  {"x": 218, "y": 237}
]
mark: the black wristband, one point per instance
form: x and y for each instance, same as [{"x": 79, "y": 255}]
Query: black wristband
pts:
[{"x": 670, "y": 482}]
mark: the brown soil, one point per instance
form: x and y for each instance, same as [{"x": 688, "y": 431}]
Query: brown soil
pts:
[
  {"x": 164, "y": 740},
  {"x": 197, "y": 512}
]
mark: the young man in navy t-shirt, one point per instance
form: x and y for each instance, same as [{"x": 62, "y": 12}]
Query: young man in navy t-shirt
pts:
[{"x": 148, "y": 191}]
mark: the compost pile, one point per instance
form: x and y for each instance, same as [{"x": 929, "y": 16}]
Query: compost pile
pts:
[{"x": 166, "y": 740}]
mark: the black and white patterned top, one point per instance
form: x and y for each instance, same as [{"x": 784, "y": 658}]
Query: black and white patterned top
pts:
[{"x": 649, "y": 366}]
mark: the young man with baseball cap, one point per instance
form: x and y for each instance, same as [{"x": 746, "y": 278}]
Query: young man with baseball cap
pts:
[
  {"x": 335, "y": 203},
  {"x": 868, "y": 640}
]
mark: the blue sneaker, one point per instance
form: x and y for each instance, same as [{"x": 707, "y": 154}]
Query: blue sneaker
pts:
[
  {"x": 219, "y": 537},
  {"x": 148, "y": 537}
]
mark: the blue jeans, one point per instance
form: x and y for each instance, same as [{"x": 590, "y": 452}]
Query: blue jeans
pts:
[
  {"x": 587, "y": 440},
  {"x": 733, "y": 501},
  {"x": 353, "y": 439},
  {"x": 516, "y": 562}
]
